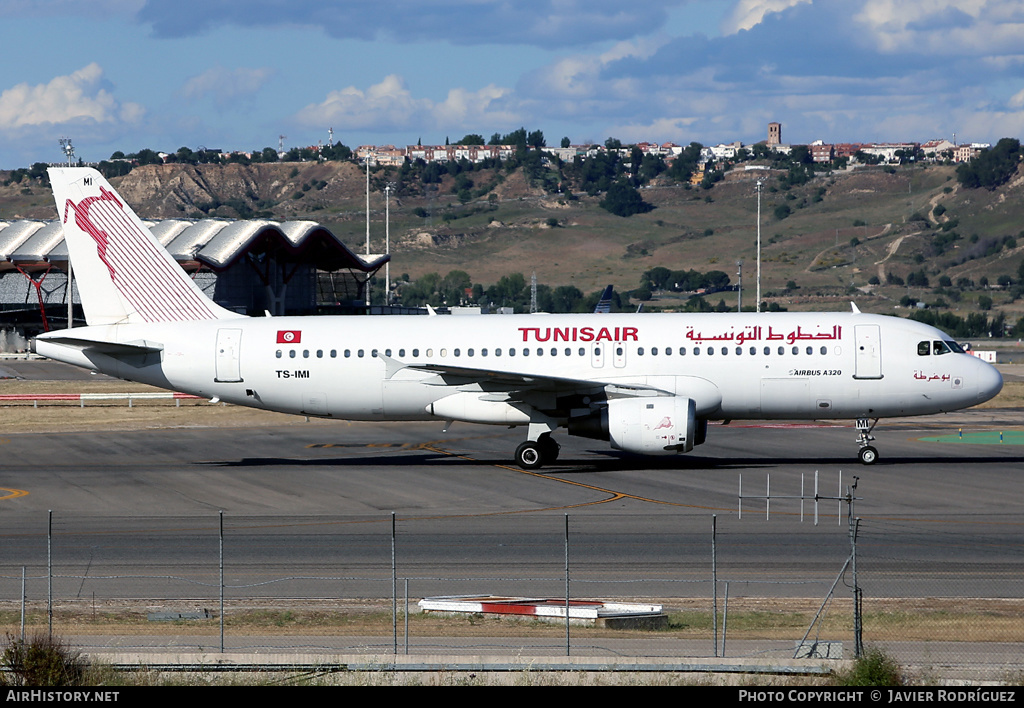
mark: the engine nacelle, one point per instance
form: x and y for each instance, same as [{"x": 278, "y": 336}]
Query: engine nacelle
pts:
[
  {"x": 472, "y": 409},
  {"x": 653, "y": 425}
]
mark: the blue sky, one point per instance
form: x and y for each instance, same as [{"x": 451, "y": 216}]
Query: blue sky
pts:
[{"x": 131, "y": 74}]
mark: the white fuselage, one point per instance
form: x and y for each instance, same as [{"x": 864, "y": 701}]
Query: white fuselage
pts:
[{"x": 734, "y": 366}]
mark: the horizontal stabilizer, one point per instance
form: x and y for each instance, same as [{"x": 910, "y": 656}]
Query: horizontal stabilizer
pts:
[{"x": 103, "y": 346}]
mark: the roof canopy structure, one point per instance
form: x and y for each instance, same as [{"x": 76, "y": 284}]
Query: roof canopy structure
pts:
[{"x": 214, "y": 243}]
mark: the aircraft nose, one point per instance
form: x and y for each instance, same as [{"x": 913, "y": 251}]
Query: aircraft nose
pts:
[{"x": 990, "y": 382}]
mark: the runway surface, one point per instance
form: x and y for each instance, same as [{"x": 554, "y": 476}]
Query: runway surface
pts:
[{"x": 316, "y": 500}]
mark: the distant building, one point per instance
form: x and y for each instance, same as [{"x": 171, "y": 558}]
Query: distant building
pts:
[
  {"x": 820, "y": 152},
  {"x": 936, "y": 149},
  {"x": 774, "y": 134}
]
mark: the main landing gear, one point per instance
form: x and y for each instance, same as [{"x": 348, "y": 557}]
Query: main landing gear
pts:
[
  {"x": 532, "y": 455},
  {"x": 868, "y": 454}
]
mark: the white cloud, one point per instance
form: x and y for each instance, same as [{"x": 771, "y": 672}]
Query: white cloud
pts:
[
  {"x": 749, "y": 13},
  {"x": 77, "y": 98},
  {"x": 390, "y": 105}
]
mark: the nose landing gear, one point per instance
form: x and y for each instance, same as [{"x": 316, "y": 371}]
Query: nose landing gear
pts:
[{"x": 868, "y": 455}]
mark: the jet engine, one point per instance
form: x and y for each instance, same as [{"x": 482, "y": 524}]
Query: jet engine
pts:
[{"x": 647, "y": 425}]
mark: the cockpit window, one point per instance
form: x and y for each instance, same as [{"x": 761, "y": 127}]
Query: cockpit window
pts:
[
  {"x": 940, "y": 347},
  {"x": 924, "y": 348},
  {"x": 955, "y": 346}
]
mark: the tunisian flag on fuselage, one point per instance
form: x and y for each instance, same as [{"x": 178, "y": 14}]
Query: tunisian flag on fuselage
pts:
[{"x": 289, "y": 336}]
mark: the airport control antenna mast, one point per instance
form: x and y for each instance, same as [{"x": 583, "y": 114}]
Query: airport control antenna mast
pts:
[
  {"x": 69, "y": 151},
  {"x": 847, "y": 497}
]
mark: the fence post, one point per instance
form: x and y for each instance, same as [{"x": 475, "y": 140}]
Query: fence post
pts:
[
  {"x": 221, "y": 583},
  {"x": 567, "y": 644},
  {"x": 394, "y": 590},
  {"x": 49, "y": 571},
  {"x": 714, "y": 580}
]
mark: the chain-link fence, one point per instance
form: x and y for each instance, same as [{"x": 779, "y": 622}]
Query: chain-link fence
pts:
[{"x": 937, "y": 594}]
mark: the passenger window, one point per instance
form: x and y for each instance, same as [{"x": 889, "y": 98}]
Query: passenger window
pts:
[
  {"x": 457, "y": 352},
  {"x": 443, "y": 352},
  {"x": 348, "y": 353},
  {"x": 682, "y": 351},
  {"x": 640, "y": 351},
  {"x": 739, "y": 350},
  {"x": 810, "y": 350},
  {"x": 767, "y": 351},
  {"x": 305, "y": 353},
  {"x": 753, "y": 351},
  {"x": 824, "y": 350},
  {"x": 319, "y": 353},
  {"x": 654, "y": 351},
  {"x": 483, "y": 352},
  {"x": 334, "y": 353},
  {"x": 540, "y": 352},
  {"x": 696, "y": 351},
  {"x": 401, "y": 352},
  {"x": 387, "y": 352},
  {"x": 526, "y": 352},
  {"x": 512, "y": 351},
  {"x": 583, "y": 352},
  {"x": 278, "y": 353},
  {"x": 416, "y": 352},
  {"x": 924, "y": 348},
  {"x": 291, "y": 353},
  {"x": 359, "y": 353},
  {"x": 782, "y": 350},
  {"x": 568, "y": 351},
  {"x": 618, "y": 351},
  {"x": 430, "y": 353},
  {"x": 373, "y": 353},
  {"x": 554, "y": 352},
  {"x": 469, "y": 352},
  {"x": 668, "y": 351},
  {"x": 497, "y": 352},
  {"x": 711, "y": 350},
  {"x": 725, "y": 350}
]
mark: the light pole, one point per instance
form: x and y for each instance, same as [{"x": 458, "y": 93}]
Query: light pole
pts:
[
  {"x": 69, "y": 151},
  {"x": 739, "y": 286},
  {"x": 760, "y": 184},
  {"x": 388, "y": 188},
  {"x": 367, "y": 228}
]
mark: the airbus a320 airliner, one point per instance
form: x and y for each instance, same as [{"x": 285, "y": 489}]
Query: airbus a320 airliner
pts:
[{"x": 648, "y": 384}]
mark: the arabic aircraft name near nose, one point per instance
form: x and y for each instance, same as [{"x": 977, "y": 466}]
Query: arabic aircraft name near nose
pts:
[{"x": 648, "y": 384}]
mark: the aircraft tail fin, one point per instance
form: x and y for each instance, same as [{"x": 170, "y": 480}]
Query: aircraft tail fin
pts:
[
  {"x": 123, "y": 273},
  {"x": 604, "y": 305}
]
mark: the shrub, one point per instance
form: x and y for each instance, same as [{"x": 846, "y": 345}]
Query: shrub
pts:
[
  {"x": 874, "y": 668},
  {"x": 41, "y": 660}
]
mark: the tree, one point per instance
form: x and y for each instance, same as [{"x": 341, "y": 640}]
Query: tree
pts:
[
  {"x": 623, "y": 200},
  {"x": 991, "y": 168},
  {"x": 471, "y": 139},
  {"x": 566, "y": 142}
]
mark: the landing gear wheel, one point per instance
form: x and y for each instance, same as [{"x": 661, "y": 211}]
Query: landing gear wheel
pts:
[
  {"x": 530, "y": 455},
  {"x": 548, "y": 449},
  {"x": 868, "y": 455}
]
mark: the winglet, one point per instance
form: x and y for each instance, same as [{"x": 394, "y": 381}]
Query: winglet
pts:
[{"x": 856, "y": 310}]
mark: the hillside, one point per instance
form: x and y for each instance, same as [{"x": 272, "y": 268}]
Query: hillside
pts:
[{"x": 843, "y": 229}]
